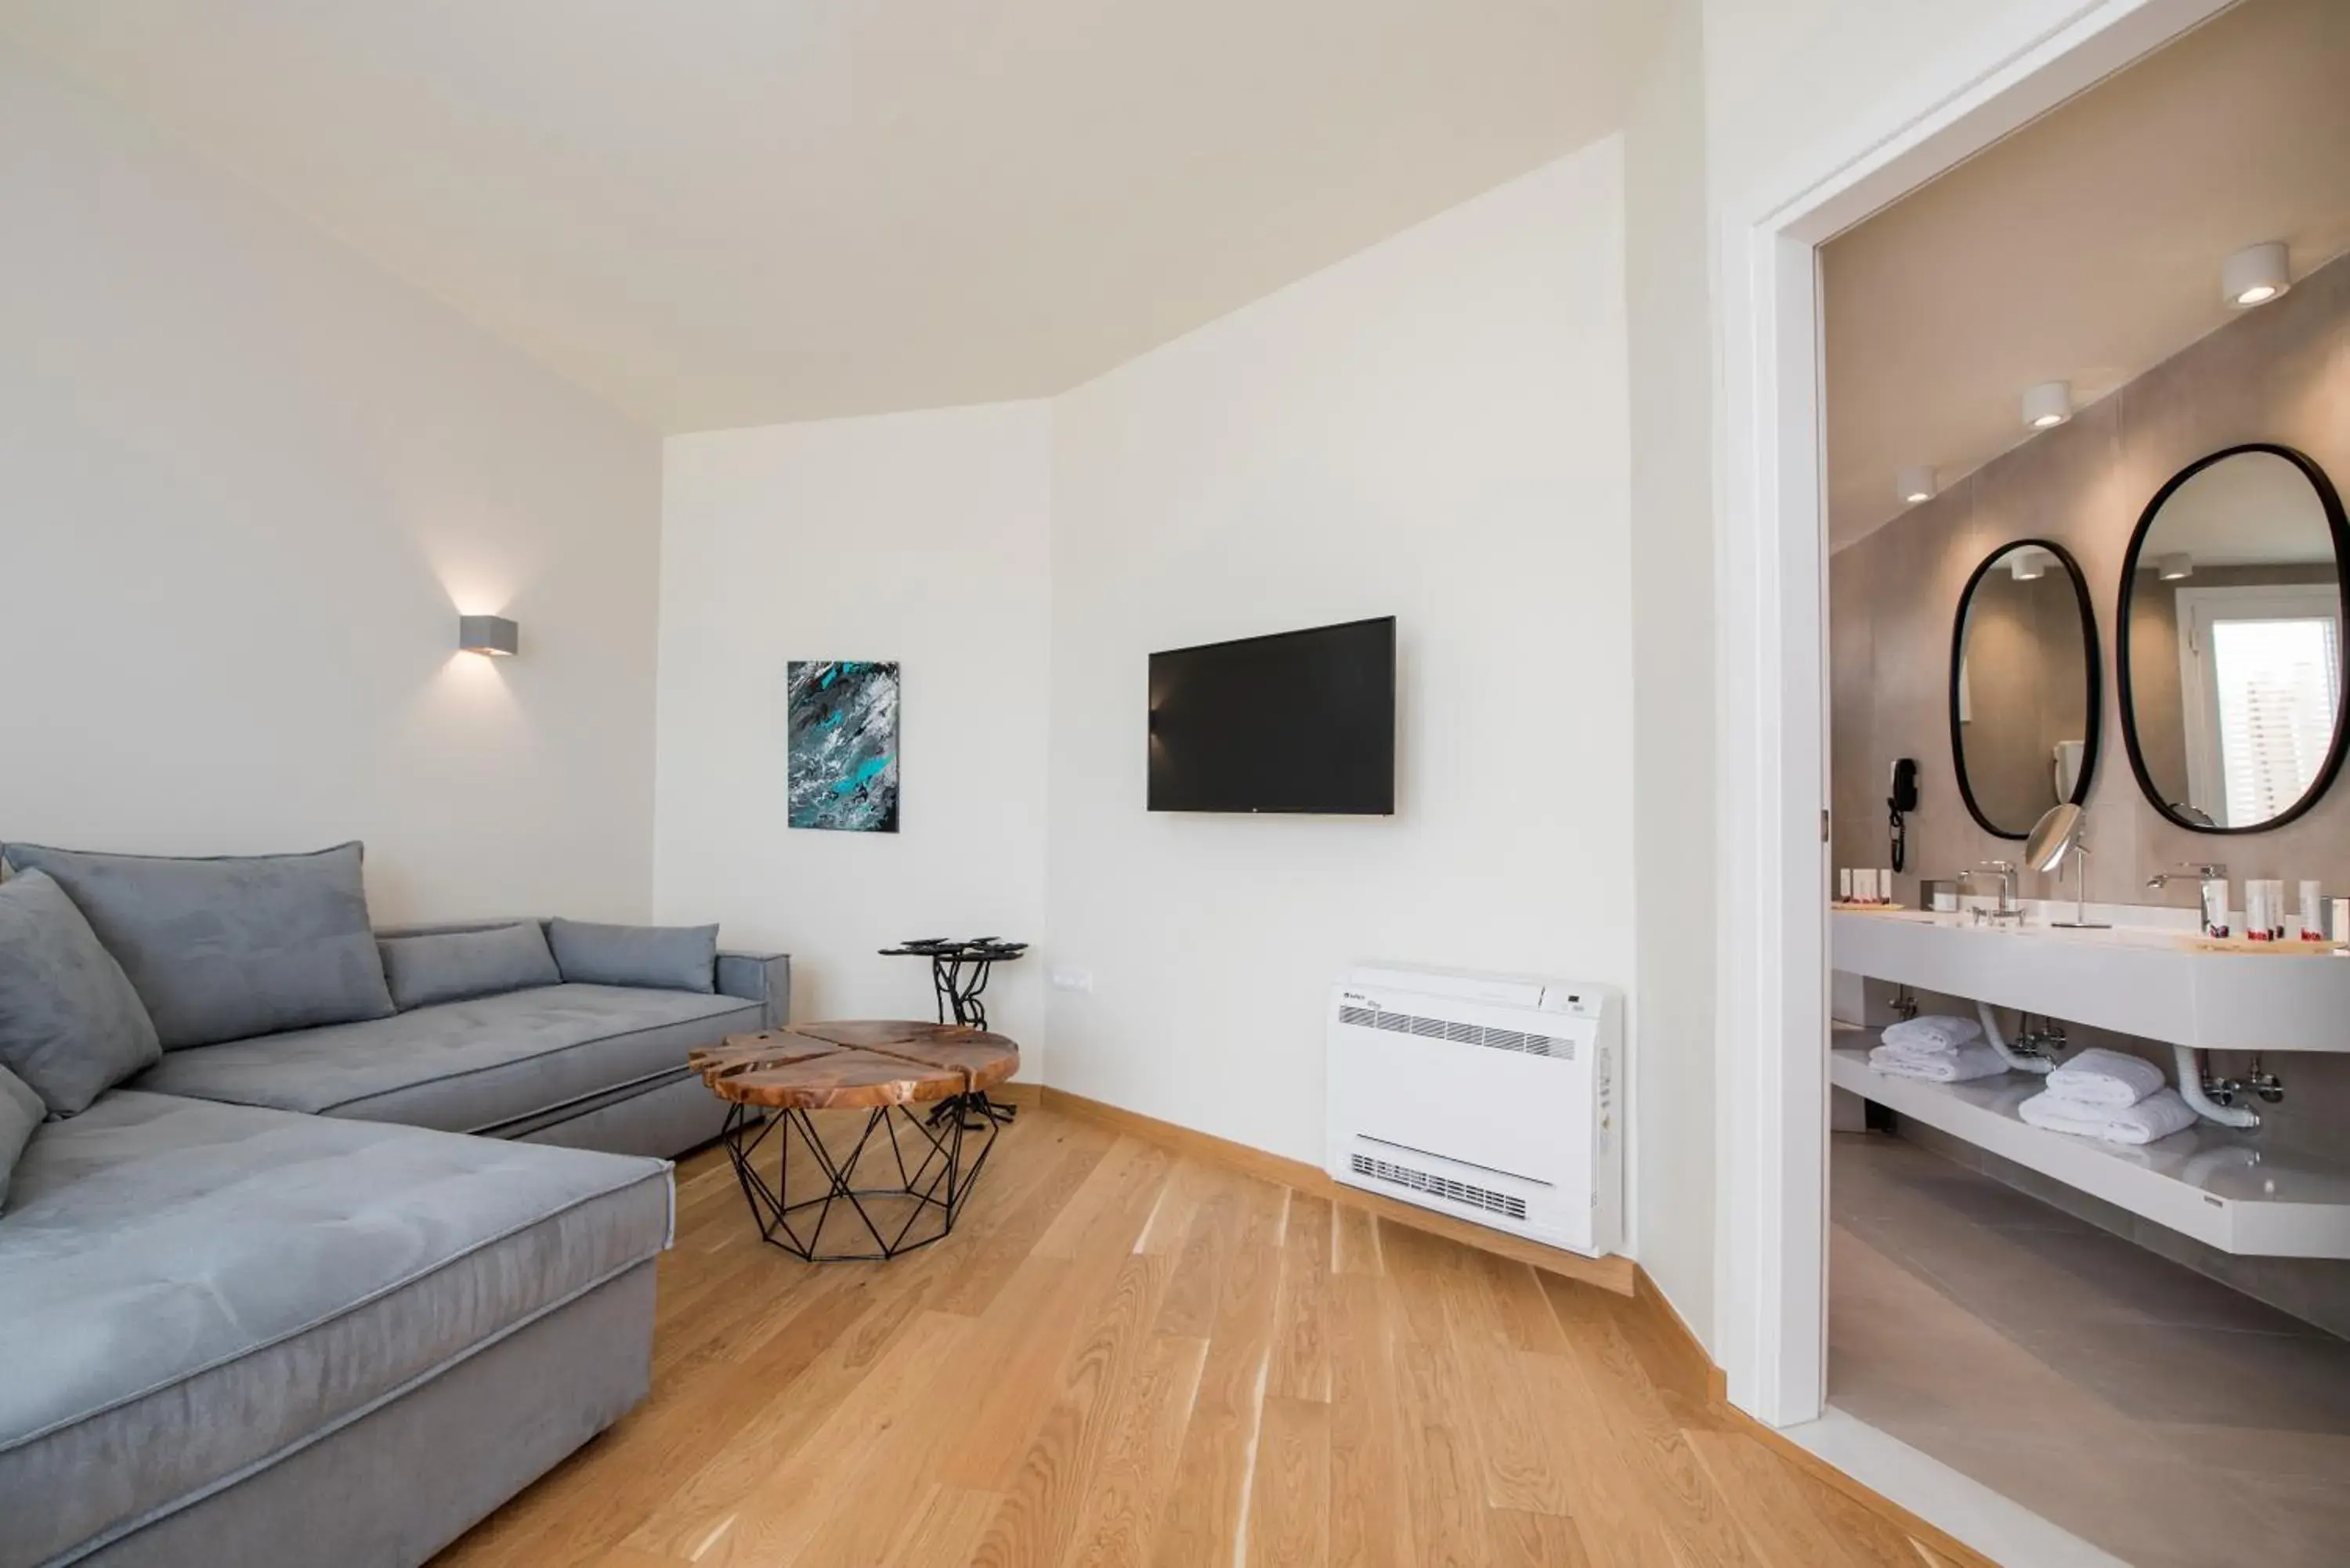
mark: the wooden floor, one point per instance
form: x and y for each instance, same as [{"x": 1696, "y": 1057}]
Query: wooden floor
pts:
[{"x": 1129, "y": 1356}]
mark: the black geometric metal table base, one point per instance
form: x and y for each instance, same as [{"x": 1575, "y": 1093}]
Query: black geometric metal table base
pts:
[{"x": 932, "y": 1192}]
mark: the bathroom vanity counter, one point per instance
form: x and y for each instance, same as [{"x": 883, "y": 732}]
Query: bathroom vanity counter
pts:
[
  {"x": 2220, "y": 1186},
  {"x": 2157, "y": 983}
]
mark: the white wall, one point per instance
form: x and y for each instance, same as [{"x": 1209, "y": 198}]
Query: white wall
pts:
[
  {"x": 1671, "y": 361},
  {"x": 916, "y": 537},
  {"x": 1433, "y": 429},
  {"x": 247, "y": 481}
]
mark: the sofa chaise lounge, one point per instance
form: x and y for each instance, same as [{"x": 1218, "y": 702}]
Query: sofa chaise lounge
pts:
[{"x": 305, "y": 1292}]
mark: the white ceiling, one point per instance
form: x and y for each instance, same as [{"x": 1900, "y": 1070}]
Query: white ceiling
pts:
[
  {"x": 2086, "y": 247},
  {"x": 722, "y": 213}
]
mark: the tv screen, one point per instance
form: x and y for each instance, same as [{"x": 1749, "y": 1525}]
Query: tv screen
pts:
[{"x": 1304, "y": 721}]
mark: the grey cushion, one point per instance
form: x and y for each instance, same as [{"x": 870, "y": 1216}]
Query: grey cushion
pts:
[
  {"x": 765, "y": 978},
  {"x": 189, "y": 1289},
  {"x": 222, "y": 949},
  {"x": 490, "y": 1065},
  {"x": 70, "y": 1026},
  {"x": 20, "y": 1112},
  {"x": 674, "y": 958},
  {"x": 454, "y": 965}
]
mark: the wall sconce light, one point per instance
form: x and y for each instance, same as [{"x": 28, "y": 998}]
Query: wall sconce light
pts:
[
  {"x": 1914, "y": 485},
  {"x": 2029, "y": 565},
  {"x": 2255, "y": 274},
  {"x": 2048, "y": 405},
  {"x": 492, "y": 633},
  {"x": 2174, "y": 569}
]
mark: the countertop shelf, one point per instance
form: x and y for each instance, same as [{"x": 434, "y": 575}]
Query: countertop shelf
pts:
[
  {"x": 2222, "y": 1187},
  {"x": 2172, "y": 985}
]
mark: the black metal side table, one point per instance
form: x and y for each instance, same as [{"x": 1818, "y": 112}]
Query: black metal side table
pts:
[{"x": 959, "y": 970}]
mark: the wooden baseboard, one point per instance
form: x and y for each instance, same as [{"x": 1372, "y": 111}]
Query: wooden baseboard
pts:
[
  {"x": 1717, "y": 1381},
  {"x": 1610, "y": 1274},
  {"x": 1951, "y": 1550}
]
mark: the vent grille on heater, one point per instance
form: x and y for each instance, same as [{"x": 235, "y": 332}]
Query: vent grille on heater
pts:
[
  {"x": 1457, "y": 1033},
  {"x": 1439, "y": 1186}
]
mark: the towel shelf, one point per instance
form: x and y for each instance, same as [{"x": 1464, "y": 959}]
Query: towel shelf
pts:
[{"x": 2221, "y": 1186}]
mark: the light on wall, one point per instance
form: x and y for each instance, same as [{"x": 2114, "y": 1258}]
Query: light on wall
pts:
[
  {"x": 2174, "y": 569},
  {"x": 491, "y": 634},
  {"x": 1914, "y": 485},
  {"x": 2048, "y": 404},
  {"x": 2255, "y": 274},
  {"x": 2029, "y": 565}
]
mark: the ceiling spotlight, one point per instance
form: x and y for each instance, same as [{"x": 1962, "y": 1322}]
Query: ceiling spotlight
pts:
[
  {"x": 2174, "y": 569},
  {"x": 2029, "y": 565},
  {"x": 2048, "y": 404},
  {"x": 1914, "y": 485},
  {"x": 2255, "y": 274}
]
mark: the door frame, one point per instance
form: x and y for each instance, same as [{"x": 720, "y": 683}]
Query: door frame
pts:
[{"x": 1770, "y": 586}]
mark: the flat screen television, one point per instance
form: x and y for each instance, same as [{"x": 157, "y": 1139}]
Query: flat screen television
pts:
[{"x": 1302, "y": 721}]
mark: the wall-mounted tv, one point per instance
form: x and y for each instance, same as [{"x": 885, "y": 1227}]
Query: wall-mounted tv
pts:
[{"x": 1302, "y": 721}]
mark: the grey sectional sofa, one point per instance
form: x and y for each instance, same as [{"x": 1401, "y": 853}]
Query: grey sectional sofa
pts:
[{"x": 309, "y": 1296}]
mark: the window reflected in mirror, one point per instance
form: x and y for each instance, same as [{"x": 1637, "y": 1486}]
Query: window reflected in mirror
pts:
[
  {"x": 2025, "y": 699},
  {"x": 2232, "y": 656}
]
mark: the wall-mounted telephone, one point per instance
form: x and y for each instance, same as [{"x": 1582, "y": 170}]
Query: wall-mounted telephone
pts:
[{"x": 1903, "y": 799}]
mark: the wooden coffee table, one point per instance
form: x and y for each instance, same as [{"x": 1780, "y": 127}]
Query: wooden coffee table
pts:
[{"x": 774, "y": 1081}]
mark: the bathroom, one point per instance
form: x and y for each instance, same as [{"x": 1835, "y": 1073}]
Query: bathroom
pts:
[{"x": 2088, "y": 410}]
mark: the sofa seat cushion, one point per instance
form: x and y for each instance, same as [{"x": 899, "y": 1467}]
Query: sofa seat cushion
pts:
[
  {"x": 491, "y": 1065},
  {"x": 189, "y": 1291}
]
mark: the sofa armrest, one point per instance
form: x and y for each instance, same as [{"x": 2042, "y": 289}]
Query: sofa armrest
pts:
[{"x": 763, "y": 978}]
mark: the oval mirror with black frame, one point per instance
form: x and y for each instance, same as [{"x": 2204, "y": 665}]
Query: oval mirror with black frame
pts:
[
  {"x": 2230, "y": 643},
  {"x": 2025, "y": 687}
]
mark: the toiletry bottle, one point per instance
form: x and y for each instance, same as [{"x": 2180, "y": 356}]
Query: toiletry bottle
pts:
[
  {"x": 2312, "y": 912},
  {"x": 1844, "y": 885},
  {"x": 2215, "y": 906},
  {"x": 2338, "y": 931},
  {"x": 2273, "y": 904},
  {"x": 1884, "y": 886}
]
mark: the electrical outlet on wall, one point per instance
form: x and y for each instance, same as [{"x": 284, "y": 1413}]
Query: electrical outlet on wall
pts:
[{"x": 1072, "y": 979}]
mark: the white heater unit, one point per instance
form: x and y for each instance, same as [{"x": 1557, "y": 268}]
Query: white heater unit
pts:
[{"x": 1487, "y": 1097}]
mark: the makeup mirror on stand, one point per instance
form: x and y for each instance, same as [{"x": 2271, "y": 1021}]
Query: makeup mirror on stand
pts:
[{"x": 2058, "y": 835}]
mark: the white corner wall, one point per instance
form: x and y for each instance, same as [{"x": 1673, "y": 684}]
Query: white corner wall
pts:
[
  {"x": 1673, "y": 592},
  {"x": 1434, "y": 429},
  {"x": 247, "y": 483},
  {"x": 917, "y": 538}
]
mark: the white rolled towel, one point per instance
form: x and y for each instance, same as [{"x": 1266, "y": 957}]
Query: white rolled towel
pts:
[
  {"x": 1972, "y": 1060},
  {"x": 2159, "y": 1115},
  {"x": 1932, "y": 1035},
  {"x": 2101, "y": 1077}
]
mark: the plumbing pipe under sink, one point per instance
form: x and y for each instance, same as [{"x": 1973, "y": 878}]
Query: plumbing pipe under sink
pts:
[
  {"x": 2008, "y": 1054},
  {"x": 2191, "y": 1089}
]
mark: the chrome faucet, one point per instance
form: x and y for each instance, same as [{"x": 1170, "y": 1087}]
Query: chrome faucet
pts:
[
  {"x": 2006, "y": 908},
  {"x": 2200, "y": 873}
]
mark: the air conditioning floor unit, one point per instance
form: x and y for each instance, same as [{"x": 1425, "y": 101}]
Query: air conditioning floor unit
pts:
[{"x": 1488, "y": 1097}]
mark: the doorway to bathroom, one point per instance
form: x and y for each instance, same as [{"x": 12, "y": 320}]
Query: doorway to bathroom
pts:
[{"x": 2086, "y": 1227}]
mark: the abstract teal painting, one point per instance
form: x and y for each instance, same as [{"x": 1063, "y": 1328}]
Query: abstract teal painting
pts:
[{"x": 842, "y": 760}]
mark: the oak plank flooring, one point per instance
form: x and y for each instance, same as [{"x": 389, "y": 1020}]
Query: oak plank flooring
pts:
[{"x": 1133, "y": 1356}]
